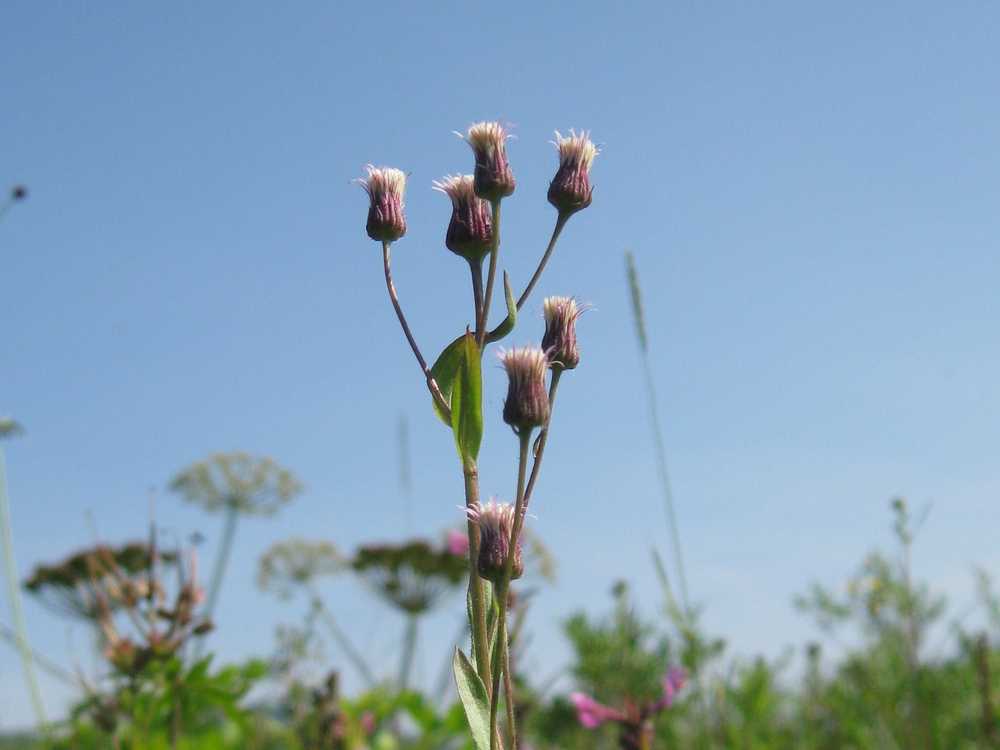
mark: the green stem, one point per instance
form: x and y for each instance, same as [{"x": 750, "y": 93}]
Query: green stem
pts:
[
  {"x": 491, "y": 277},
  {"x": 432, "y": 385},
  {"x": 543, "y": 438},
  {"x": 556, "y": 231},
  {"x": 343, "y": 641},
  {"x": 480, "y": 636},
  {"x": 221, "y": 563},
  {"x": 14, "y": 593},
  {"x": 668, "y": 495},
  {"x": 409, "y": 651},
  {"x": 503, "y": 586}
]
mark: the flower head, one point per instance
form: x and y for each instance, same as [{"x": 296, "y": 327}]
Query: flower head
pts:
[
  {"x": 385, "y": 187},
  {"x": 527, "y": 402},
  {"x": 495, "y": 521},
  {"x": 592, "y": 714},
  {"x": 493, "y": 178},
  {"x": 559, "y": 341},
  {"x": 570, "y": 189},
  {"x": 470, "y": 231}
]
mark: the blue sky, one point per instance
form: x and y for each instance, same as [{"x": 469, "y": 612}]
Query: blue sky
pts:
[{"x": 810, "y": 192}]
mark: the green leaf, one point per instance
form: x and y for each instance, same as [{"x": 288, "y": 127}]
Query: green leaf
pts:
[
  {"x": 467, "y": 400},
  {"x": 444, "y": 370},
  {"x": 472, "y": 693}
]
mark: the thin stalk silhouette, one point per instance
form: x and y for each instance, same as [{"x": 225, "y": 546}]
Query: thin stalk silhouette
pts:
[{"x": 656, "y": 427}]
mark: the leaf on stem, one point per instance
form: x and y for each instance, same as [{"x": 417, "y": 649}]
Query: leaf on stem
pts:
[
  {"x": 467, "y": 400},
  {"x": 472, "y": 693}
]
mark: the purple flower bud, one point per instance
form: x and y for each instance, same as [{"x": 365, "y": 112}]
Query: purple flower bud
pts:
[
  {"x": 493, "y": 178},
  {"x": 495, "y": 521},
  {"x": 570, "y": 189},
  {"x": 385, "y": 187},
  {"x": 559, "y": 341},
  {"x": 470, "y": 231},
  {"x": 527, "y": 402}
]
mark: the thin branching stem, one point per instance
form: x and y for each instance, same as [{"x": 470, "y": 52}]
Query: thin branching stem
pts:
[
  {"x": 431, "y": 383},
  {"x": 543, "y": 438},
  {"x": 14, "y": 594},
  {"x": 476, "y": 266},
  {"x": 503, "y": 587},
  {"x": 556, "y": 231},
  {"x": 483, "y": 320},
  {"x": 480, "y": 635}
]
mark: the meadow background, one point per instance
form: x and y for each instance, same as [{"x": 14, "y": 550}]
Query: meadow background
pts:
[{"x": 810, "y": 193}]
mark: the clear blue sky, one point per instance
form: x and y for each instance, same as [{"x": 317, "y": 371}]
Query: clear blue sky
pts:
[{"x": 811, "y": 192}]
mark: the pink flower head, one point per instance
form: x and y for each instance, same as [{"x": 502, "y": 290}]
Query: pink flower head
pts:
[
  {"x": 385, "y": 187},
  {"x": 457, "y": 543},
  {"x": 673, "y": 682},
  {"x": 592, "y": 714}
]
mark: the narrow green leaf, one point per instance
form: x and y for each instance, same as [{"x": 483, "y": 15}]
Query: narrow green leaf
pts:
[
  {"x": 467, "y": 400},
  {"x": 472, "y": 693},
  {"x": 444, "y": 370}
]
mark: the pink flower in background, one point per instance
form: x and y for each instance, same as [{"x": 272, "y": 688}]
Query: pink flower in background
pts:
[
  {"x": 590, "y": 713},
  {"x": 457, "y": 543},
  {"x": 367, "y": 722},
  {"x": 673, "y": 682}
]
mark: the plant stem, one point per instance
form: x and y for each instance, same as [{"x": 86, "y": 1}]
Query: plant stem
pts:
[
  {"x": 560, "y": 223},
  {"x": 476, "y": 266},
  {"x": 221, "y": 562},
  {"x": 543, "y": 438},
  {"x": 668, "y": 494},
  {"x": 14, "y": 593},
  {"x": 409, "y": 651},
  {"x": 431, "y": 383},
  {"x": 503, "y": 586},
  {"x": 480, "y": 636},
  {"x": 483, "y": 320},
  {"x": 342, "y": 639}
]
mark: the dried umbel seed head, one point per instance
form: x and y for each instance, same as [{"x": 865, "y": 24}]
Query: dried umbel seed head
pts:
[
  {"x": 470, "y": 231},
  {"x": 559, "y": 341},
  {"x": 493, "y": 178},
  {"x": 527, "y": 402},
  {"x": 495, "y": 521},
  {"x": 385, "y": 187},
  {"x": 570, "y": 189}
]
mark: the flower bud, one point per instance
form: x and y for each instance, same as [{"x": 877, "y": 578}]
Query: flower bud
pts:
[
  {"x": 493, "y": 178},
  {"x": 559, "y": 341},
  {"x": 570, "y": 189},
  {"x": 385, "y": 187},
  {"x": 495, "y": 521},
  {"x": 470, "y": 231},
  {"x": 527, "y": 402}
]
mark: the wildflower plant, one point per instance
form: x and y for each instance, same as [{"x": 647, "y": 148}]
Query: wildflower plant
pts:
[{"x": 454, "y": 380}]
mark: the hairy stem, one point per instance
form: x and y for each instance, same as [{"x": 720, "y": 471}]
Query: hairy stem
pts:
[
  {"x": 476, "y": 266},
  {"x": 543, "y": 438},
  {"x": 480, "y": 636},
  {"x": 491, "y": 277},
  {"x": 503, "y": 586},
  {"x": 556, "y": 231},
  {"x": 431, "y": 383}
]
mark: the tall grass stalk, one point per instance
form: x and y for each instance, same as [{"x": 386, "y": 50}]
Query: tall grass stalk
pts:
[
  {"x": 14, "y": 594},
  {"x": 657, "y": 429}
]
